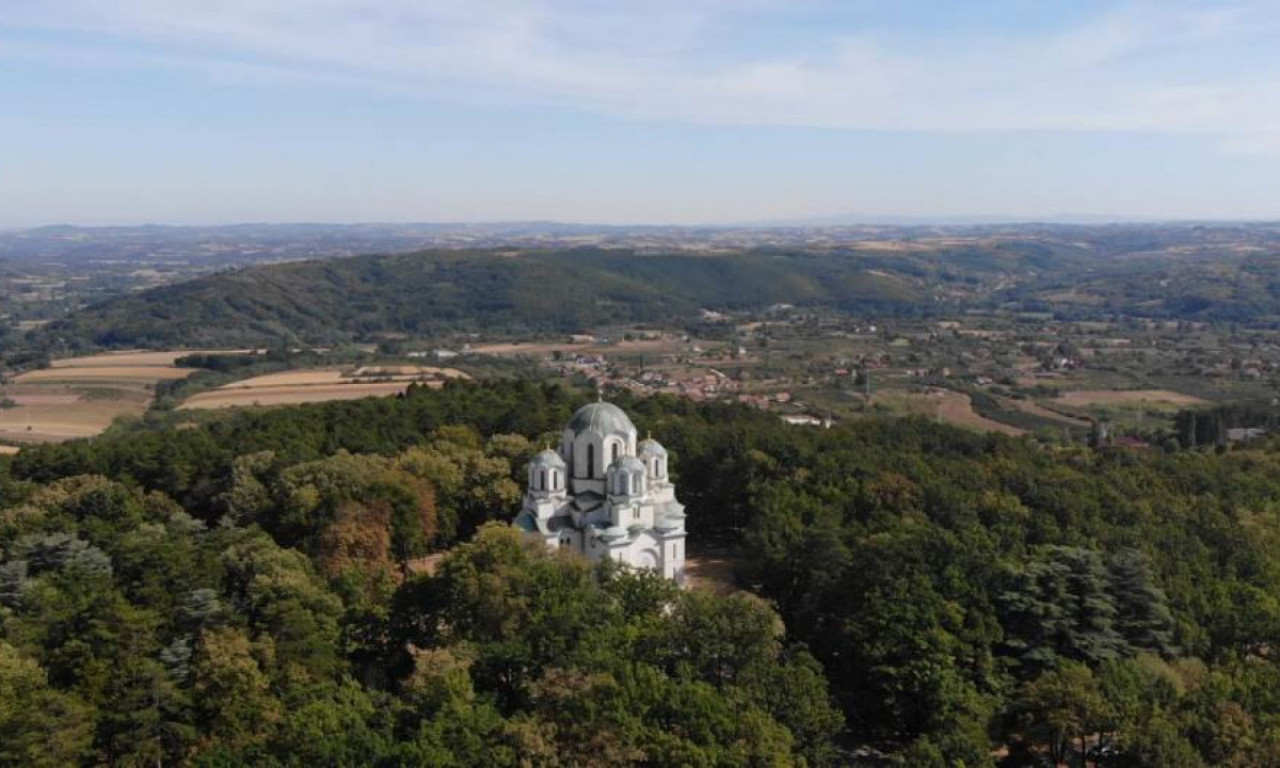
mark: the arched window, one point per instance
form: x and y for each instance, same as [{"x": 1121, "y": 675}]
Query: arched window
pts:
[
  {"x": 591, "y": 460},
  {"x": 617, "y": 449},
  {"x": 543, "y": 480}
]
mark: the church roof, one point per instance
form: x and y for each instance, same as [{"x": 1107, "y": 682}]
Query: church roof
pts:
[
  {"x": 548, "y": 458},
  {"x": 587, "y": 501},
  {"x": 628, "y": 464},
  {"x": 601, "y": 418},
  {"x": 651, "y": 447}
]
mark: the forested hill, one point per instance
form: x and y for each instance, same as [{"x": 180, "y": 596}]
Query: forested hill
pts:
[
  {"x": 1173, "y": 273},
  {"x": 238, "y": 593},
  {"x": 336, "y": 300}
]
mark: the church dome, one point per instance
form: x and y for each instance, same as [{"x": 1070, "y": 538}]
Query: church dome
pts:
[
  {"x": 548, "y": 458},
  {"x": 601, "y": 419},
  {"x": 651, "y": 447}
]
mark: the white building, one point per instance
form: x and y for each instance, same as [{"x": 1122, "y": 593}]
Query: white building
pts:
[{"x": 603, "y": 495}]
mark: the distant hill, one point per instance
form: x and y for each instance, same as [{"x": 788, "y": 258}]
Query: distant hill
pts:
[
  {"x": 330, "y": 301},
  {"x": 1215, "y": 273}
]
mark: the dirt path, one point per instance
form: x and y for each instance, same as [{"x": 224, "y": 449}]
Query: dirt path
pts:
[{"x": 711, "y": 572}]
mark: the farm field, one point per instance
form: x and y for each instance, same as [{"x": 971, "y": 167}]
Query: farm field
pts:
[
  {"x": 293, "y": 395},
  {"x": 956, "y": 408},
  {"x": 652, "y": 346},
  {"x": 944, "y": 405},
  {"x": 164, "y": 359},
  {"x": 81, "y": 396},
  {"x": 313, "y": 386},
  {"x": 1084, "y": 397},
  {"x": 123, "y": 374}
]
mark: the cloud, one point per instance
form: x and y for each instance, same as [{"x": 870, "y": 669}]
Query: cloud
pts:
[{"x": 1141, "y": 66}]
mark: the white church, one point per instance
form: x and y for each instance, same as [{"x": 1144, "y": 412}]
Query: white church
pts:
[{"x": 602, "y": 494}]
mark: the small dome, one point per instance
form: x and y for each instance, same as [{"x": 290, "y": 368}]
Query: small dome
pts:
[
  {"x": 547, "y": 458},
  {"x": 627, "y": 464},
  {"x": 602, "y": 419},
  {"x": 651, "y": 447}
]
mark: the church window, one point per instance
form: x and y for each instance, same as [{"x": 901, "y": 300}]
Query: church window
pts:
[
  {"x": 616, "y": 449},
  {"x": 591, "y": 461},
  {"x": 544, "y": 479}
]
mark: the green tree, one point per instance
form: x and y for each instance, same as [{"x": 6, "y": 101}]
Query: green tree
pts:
[
  {"x": 1062, "y": 708},
  {"x": 40, "y": 726}
]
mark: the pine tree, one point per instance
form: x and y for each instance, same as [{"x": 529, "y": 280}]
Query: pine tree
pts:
[{"x": 1142, "y": 609}]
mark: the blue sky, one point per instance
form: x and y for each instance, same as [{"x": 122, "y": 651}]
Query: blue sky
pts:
[{"x": 680, "y": 111}]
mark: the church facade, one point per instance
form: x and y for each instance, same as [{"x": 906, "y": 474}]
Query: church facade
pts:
[{"x": 603, "y": 494}]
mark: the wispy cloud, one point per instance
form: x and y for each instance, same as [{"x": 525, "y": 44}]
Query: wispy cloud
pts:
[{"x": 1137, "y": 66}]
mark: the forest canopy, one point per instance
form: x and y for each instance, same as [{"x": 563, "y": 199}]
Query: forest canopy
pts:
[{"x": 246, "y": 591}]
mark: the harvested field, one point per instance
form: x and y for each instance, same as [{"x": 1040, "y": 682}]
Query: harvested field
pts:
[
  {"x": 145, "y": 374},
  {"x": 288, "y": 379},
  {"x": 81, "y": 396},
  {"x": 291, "y": 395},
  {"x": 337, "y": 376},
  {"x": 956, "y": 408},
  {"x": 8, "y": 450},
  {"x": 32, "y": 399},
  {"x": 164, "y": 359},
  {"x": 54, "y": 423},
  {"x": 942, "y": 404},
  {"x": 1085, "y": 397}
]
